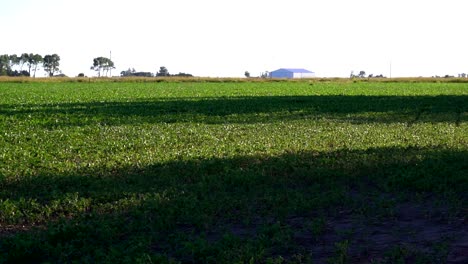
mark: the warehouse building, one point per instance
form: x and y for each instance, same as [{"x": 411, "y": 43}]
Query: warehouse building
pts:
[{"x": 292, "y": 73}]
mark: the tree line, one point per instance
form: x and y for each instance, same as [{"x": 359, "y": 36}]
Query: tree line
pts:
[
  {"x": 362, "y": 74},
  {"x": 27, "y": 64},
  {"x": 103, "y": 66},
  {"x": 13, "y": 65},
  {"x": 163, "y": 72}
]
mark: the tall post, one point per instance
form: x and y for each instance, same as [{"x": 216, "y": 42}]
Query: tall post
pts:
[{"x": 390, "y": 69}]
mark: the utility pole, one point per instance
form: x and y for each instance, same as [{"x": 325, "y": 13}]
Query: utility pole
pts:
[{"x": 390, "y": 69}]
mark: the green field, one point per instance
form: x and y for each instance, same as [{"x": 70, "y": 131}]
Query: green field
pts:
[{"x": 233, "y": 172}]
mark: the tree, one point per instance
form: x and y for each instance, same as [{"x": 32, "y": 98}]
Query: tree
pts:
[
  {"x": 27, "y": 57},
  {"x": 32, "y": 60},
  {"x": 7, "y": 63},
  {"x": 23, "y": 59},
  {"x": 4, "y": 64},
  {"x": 97, "y": 65},
  {"x": 36, "y": 60},
  {"x": 102, "y": 64},
  {"x": 51, "y": 64},
  {"x": 247, "y": 74},
  {"x": 14, "y": 60},
  {"x": 163, "y": 71}
]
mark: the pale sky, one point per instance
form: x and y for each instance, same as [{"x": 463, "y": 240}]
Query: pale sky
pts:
[{"x": 226, "y": 38}]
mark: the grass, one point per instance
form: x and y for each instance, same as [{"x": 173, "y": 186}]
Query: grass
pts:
[{"x": 230, "y": 171}]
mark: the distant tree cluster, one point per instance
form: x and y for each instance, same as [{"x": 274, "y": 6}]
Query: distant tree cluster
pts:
[
  {"x": 449, "y": 76},
  {"x": 12, "y": 65},
  {"x": 163, "y": 71},
  {"x": 28, "y": 63},
  {"x": 182, "y": 74},
  {"x": 376, "y": 76},
  {"x": 133, "y": 72},
  {"x": 362, "y": 74},
  {"x": 102, "y": 65},
  {"x": 265, "y": 74}
]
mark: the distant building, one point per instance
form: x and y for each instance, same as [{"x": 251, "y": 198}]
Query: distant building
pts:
[{"x": 292, "y": 73}]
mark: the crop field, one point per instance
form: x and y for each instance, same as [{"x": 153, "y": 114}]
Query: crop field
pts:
[{"x": 233, "y": 172}]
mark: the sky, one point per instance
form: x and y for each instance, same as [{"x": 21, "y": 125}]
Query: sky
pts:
[{"x": 221, "y": 38}]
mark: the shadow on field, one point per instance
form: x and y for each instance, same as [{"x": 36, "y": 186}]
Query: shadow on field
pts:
[
  {"x": 356, "y": 109},
  {"x": 233, "y": 209}
]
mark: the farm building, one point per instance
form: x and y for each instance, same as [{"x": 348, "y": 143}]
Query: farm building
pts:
[{"x": 292, "y": 73}]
